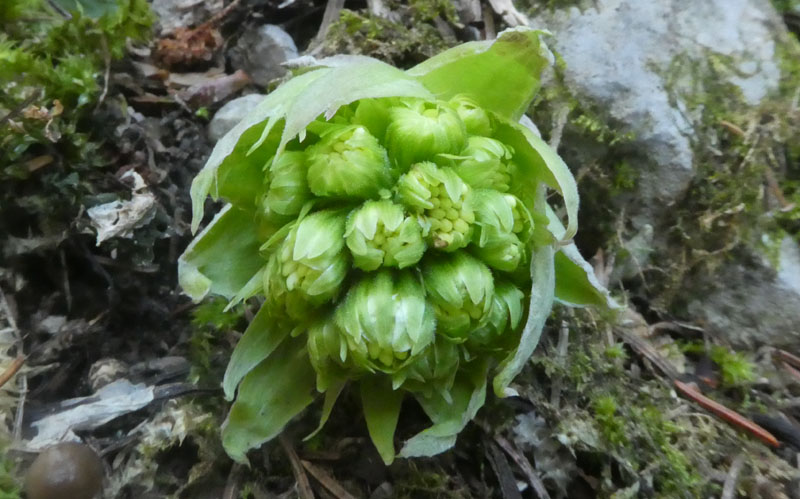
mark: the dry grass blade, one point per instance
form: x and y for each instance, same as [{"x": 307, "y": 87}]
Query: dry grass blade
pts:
[
  {"x": 332, "y": 10},
  {"x": 327, "y": 481},
  {"x": 729, "y": 488},
  {"x": 643, "y": 348},
  {"x": 11, "y": 370},
  {"x": 527, "y": 469},
  {"x": 303, "y": 486},
  {"x": 508, "y": 484}
]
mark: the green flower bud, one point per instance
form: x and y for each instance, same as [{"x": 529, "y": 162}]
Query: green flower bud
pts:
[
  {"x": 486, "y": 164},
  {"x": 460, "y": 288},
  {"x": 380, "y": 233},
  {"x": 500, "y": 250},
  {"x": 288, "y": 190},
  {"x": 387, "y": 313},
  {"x": 442, "y": 201},
  {"x": 374, "y": 115},
  {"x": 349, "y": 162},
  {"x": 331, "y": 354},
  {"x": 475, "y": 119},
  {"x": 419, "y": 130},
  {"x": 503, "y": 226},
  {"x": 434, "y": 369},
  {"x": 309, "y": 266},
  {"x": 504, "y": 317}
]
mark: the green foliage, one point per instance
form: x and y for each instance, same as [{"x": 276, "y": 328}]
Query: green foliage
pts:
[
  {"x": 783, "y": 6},
  {"x": 51, "y": 72}
]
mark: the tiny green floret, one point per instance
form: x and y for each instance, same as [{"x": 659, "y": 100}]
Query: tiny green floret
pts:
[
  {"x": 442, "y": 201},
  {"x": 288, "y": 188},
  {"x": 476, "y": 120},
  {"x": 380, "y": 233},
  {"x": 461, "y": 289},
  {"x": 348, "y": 162},
  {"x": 387, "y": 316},
  {"x": 486, "y": 164}
]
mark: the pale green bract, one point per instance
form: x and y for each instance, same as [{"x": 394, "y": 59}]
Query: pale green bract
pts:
[{"x": 395, "y": 228}]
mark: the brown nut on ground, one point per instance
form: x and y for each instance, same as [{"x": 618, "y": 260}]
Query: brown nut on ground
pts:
[{"x": 66, "y": 470}]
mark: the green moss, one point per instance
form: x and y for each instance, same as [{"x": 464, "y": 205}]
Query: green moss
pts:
[
  {"x": 428, "y": 10},
  {"x": 616, "y": 351},
  {"x": 744, "y": 162},
  {"x": 736, "y": 369},
  {"x": 51, "y": 74},
  {"x": 675, "y": 474},
  {"x": 428, "y": 480},
  {"x": 211, "y": 326},
  {"x": 9, "y": 483},
  {"x": 786, "y": 5},
  {"x": 611, "y": 426},
  {"x": 402, "y": 44}
]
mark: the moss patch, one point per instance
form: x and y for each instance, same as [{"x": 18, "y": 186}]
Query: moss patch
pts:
[{"x": 404, "y": 42}]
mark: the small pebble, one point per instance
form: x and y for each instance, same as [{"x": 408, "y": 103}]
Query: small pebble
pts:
[{"x": 69, "y": 470}]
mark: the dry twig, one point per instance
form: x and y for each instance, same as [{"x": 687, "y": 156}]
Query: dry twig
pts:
[
  {"x": 691, "y": 391},
  {"x": 303, "y": 486},
  {"x": 527, "y": 469},
  {"x": 508, "y": 484},
  {"x": 327, "y": 481},
  {"x": 729, "y": 487}
]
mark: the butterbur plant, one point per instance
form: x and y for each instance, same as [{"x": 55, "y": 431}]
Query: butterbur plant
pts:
[{"x": 394, "y": 227}]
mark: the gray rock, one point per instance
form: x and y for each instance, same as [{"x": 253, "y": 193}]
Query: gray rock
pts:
[
  {"x": 618, "y": 52},
  {"x": 230, "y": 114},
  {"x": 260, "y": 52},
  {"x": 173, "y": 14},
  {"x": 752, "y": 302}
]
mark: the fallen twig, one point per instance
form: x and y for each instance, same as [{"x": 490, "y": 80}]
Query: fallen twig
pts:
[
  {"x": 332, "y": 10},
  {"x": 732, "y": 127},
  {"x": 106, "y": 73},
  {"x": 782, "y": 428},
  {"x": 691, "y": 391},
  {"x": 561, "y": 354},
  {"x": 11, "y": 370},
  {"x": 527, "y": 469},
  {"x": 327, "y": 481},
  {"x": 303, "y": 486},
  {"x": 508, "y": 484},
  {"x": 729, "y": 487},
  {"x": 22, "y": 380},
  {"x": 787, "y": 357},
  {"x": 643, "y": 348},
  {"x": 232, "y": 486}
]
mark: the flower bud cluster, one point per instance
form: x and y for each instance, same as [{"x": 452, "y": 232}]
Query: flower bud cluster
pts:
[{"x": 399, "y": 241}]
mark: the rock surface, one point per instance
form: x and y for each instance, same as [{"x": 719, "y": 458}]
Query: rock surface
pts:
[
  {"x": 620, "y": 61},
  {"x": 230, "y": 114},
  {"x": 173, "y": 14},
  {"x": 260, "y": 51},
  {"x": 618, "y": 52},
  {"x": 752, "y": 302}
]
